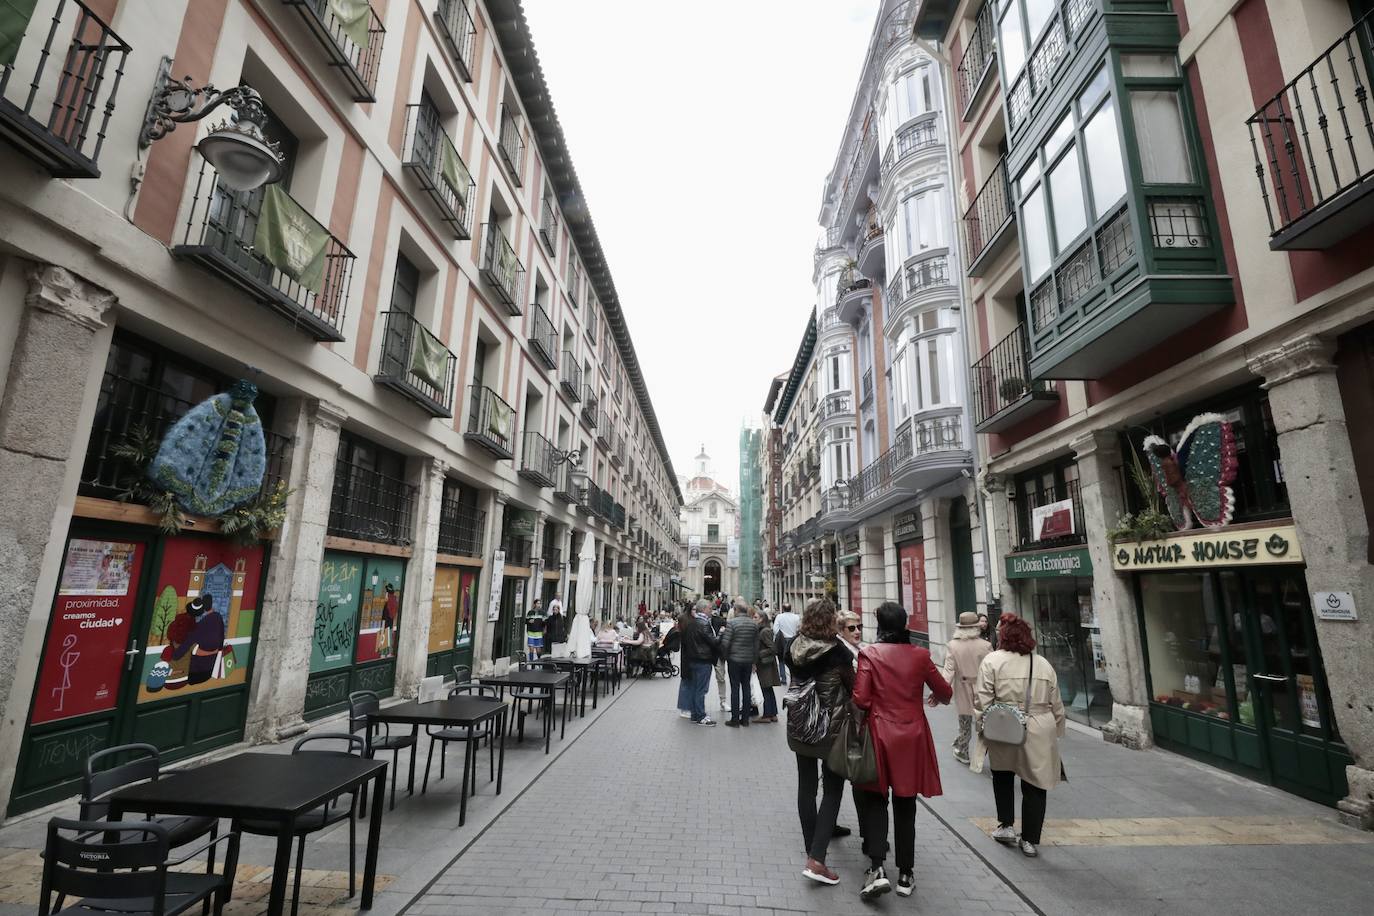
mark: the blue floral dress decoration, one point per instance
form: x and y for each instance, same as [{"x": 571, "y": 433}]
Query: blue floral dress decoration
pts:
[{"x": 214, "y": 458}]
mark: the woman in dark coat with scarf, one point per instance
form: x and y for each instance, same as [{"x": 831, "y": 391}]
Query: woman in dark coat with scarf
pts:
[{"x": 890, "y": 685}]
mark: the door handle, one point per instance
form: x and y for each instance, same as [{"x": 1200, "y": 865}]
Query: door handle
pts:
[
  {"x": 1272, "y": 678},
  {"x": 129, "y": 657}
]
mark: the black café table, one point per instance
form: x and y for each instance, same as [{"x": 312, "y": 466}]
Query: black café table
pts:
[
  {"x": 551, "y": 680},
  {"x": 583, "y": 670},
  {"x": 455, "y": 712},
  {"x": 270, "y": 787}
]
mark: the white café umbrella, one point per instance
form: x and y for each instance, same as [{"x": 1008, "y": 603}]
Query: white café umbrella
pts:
[{"x": 580, "y": 630}]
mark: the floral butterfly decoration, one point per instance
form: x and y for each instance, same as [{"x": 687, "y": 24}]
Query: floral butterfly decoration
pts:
[{"x": 1195, "y": 480}]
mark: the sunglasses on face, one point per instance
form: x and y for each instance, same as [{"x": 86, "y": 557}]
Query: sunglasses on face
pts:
[{"x": 852, "y": 627}]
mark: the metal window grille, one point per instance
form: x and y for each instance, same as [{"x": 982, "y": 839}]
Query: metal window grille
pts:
[
  {"x": 370, "y": 506},
  {"x": 1178, "y": 222}
]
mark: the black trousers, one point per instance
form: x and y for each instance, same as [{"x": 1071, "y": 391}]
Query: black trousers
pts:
[
  {"x": 873, "y": 823},
  {"x": 1032, "y": 804},
  {"x": 817, "y": 823},
  {"x": 740, "y": 689}
]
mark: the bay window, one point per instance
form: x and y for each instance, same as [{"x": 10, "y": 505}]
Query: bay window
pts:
[{"x": 924, "y": 222}]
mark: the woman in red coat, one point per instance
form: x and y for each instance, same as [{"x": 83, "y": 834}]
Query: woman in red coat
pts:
[{"x": 889, "y": 685}]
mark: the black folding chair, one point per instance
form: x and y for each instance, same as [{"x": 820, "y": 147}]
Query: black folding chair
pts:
[
  {"x": 462, "y": 674},
  {"x": 445, "y": 735},
  {"x": 542, "y": 696},
  {"x": 362, "y": 703},
  {"x": 325, "y": 816},
  {"x": 142, "y": 765},
  {"x": 122, "y": 867}
]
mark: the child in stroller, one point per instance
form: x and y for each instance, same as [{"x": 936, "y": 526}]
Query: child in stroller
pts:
[{"x": 663, "y": 655}]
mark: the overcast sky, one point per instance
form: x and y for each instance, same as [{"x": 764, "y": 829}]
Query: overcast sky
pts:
[{"x": 702, "y": 134}]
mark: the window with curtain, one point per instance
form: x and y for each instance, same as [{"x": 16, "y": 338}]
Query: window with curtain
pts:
[
  {"x": 901, "y": 385},
  {"x": 1160, "y": 137},
  {"x": 923, "y": 222}
]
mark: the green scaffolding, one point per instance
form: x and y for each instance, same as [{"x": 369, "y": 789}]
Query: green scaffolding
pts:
[{"x": 750, "y": 509}]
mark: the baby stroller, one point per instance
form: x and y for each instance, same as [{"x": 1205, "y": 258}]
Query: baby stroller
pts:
[{"x": 663, "y": 656}]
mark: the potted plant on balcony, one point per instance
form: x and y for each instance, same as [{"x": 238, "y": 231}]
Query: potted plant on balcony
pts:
[
  {"x": 1151, "y": 522},
  {"x": 1012, "y": 389}
]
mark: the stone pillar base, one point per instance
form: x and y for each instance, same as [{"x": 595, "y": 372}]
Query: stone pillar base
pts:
[
  {"x": 1130, "y": 727},
  {"x": 1357, "y": 808},
  {"x": 272, "y": 731}
]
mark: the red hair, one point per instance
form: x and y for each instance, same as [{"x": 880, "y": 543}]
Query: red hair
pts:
[{"x": 1014, "y": 635}]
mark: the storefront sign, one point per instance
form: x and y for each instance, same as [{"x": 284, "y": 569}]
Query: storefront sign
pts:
[
  {"x": 850, "y": 560},
  {"x": 906, "y": 526},
  {"x": 498, "y": 576},
  {"x": 1053, "y": 520},
  {"x": 1258, "y": 546},
  {"x": 1072, "y": 562},
  {"x": 850, "y": 543},
  {"x": 90, "y": 627},
  {"x": 1334, "y": 605},
  {"x": 520, "y": 523}
]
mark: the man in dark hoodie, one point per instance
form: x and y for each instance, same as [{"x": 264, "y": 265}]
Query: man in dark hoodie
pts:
[{"x": 699, "y": 654}]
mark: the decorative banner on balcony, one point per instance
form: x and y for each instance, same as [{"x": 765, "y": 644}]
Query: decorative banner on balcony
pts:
[
  {"x": 499, "y": 418},
  {"x": 291, "y": 239},
  {"x": 354, "y": 17},
  {"x": 506, "y": 263},
  {"x": 1052, "y": 520},
  {"x": 732, "y": 553},
  {"x": 14, "y": 19},
  {"x": 454, "y": 171},
  {"x": 429, "y": 358},
  {"x": 213, "y": 459},
  {"x": 520, "y": 523},
  {"x": 693, "y": 551}
]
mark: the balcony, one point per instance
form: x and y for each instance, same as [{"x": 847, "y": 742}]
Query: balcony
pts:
[
  {"x": 1319, "y": 188},
  {"x": 979, "y": 60},
  {"x": 517, "y": 550},
  {"x": 551, "y": 556},
  {"x": 462, "y": 527},
  {"x": 835, "y": 514},
  {"x": 923, "y": 135},
  {"x": 354, "y": 48},
  {"x": 510, "y": 145},
  {"x": 491, "y": 422},
  {"x": 548, "y": 228},
  {"x": 264, "y": 243},
  {"x": 926, "y": 452},
  {"x": 537, "y": 463},
  {"x": 617, "y": 450},
  {"x": 570, "y": 376},
  {"x": 1052, "y": 517},
  {"x": 987, "y": 221},
  {"x": 415, "y": 364},
  {"x": 432, "y": 158},
  {"x": 502, "y": 270},
  {"x": 871, "y": 262},
  {"x": 455, "y": 24},
  {"x": 839, "y": 406},
  {"x": 617, "y": 518},
  {"x": 852, "y": 296},
  {"x": 830, "y": 321},
  {"x": 604, "y": 432},
  {"x": 543, "y": 338},
  {"x": 367, "y": 505},
  {"x": 566, "y": 490},
  {"x": 76, "y": 73},
  {"x": 1004, "y": 391},
  {"x": 589, "y": 405}
]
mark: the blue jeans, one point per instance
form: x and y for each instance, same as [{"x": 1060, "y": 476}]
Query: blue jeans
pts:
[
  {"x": 770, "y": 702},
  {"x": 684, "y": 687},
  {"x": 740, "y": 698},
  {"x": 700, "y": 680}
]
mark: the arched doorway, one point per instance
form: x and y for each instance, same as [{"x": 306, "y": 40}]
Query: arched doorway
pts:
[{"x": 710, "y": 577}]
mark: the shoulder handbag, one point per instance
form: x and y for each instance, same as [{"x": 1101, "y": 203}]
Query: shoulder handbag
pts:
[
  {"x": 1004, "y": 723},
  {"x": 852, "y": 755}
]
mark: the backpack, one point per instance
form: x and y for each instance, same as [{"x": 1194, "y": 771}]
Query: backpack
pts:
[{"x": 807, "y": 721}]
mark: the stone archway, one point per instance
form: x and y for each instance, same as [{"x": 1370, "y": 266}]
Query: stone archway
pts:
[{"x": 710, "y": 576}]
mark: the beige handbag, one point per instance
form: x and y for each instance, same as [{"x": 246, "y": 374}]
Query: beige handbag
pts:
[{"x": 1004, "y": 723}]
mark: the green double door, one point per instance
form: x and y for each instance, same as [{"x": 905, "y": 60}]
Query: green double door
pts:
[{"x": 150, "y": 639}]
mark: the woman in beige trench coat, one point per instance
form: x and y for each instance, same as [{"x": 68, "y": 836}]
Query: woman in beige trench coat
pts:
[{"x": 1003, "y": 677}]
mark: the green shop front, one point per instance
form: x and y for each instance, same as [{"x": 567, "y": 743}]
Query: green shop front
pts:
[{"x": 1054, "y": 590}]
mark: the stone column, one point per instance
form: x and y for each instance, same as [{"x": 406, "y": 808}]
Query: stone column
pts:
[
  {"x": 1099, "y": 455},
  {"x": 872, "y": 578},
  {"x": 46, "y": 412},
  {"x": 417, "y": 605},
  {"x": 485, "y": 631},
  {"x": 939, "y": 573},
  {"x": 996, "y": 515},
  {"x": 1324, "y": 493},
  {"x": 569, "y": 563},
  {"x": 535, "y": 587},
  {"x": 277, "y": 697}
]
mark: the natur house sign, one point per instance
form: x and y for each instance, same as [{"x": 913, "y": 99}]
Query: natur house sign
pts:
[{"x": 1257, "y": 545}]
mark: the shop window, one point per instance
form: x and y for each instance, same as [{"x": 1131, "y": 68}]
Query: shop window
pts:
[{"x": 1184, "y": 630}]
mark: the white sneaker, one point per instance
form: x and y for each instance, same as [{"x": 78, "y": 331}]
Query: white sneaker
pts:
[
  {"x": 684, "y": 714},
  {"x": 706, "y": 720},
  {"x": 875, "y": 883},
  {"x": 1005, "y": 835},
  {"x": 1028, "y": 850}
]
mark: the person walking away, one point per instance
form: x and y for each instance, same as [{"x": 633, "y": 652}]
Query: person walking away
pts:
[
  {"x": 815, "y": 655},
  {"x": 964, "y": 653},
  {"x": 684, "y": 687},
  {"x": 718, "y": 624},
  {"x": 699, "y": 657},
  {"x": 1015, "y": 675},
  {"x": 767, "y": 668},
  {"x": 784, "y": 631},
  {"x": 739, "y": 648},
  {"x": 556, "y": 629},
  {"x": 891, "y": 679}
]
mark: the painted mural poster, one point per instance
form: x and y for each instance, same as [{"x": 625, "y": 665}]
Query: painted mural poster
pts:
[
  {"x": 89, "y": 631},
  {"x": 379, "y": 612},
  {"x": 855, "y": 591},
  {"x": 336, "y": 611},
  {"x": 467, "y": 606},
  {"x": 200, "y": 634},
  {"x": 443, "y": 613},
  {"x": 913, "y": 569}
]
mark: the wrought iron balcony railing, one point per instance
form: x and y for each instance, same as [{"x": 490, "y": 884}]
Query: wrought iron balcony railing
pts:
[
  {"x": 548, "y": 227},
  {"x": 909, "y": 140},
  {"x": 1316, "y": 137},
  {"x": 570, "y": 376},
  {"x": 537, "y": 461},
  {"x": 222, "y": 230},
  {"x": 517, "y": 550},
  {"x": 58, "y": 117},
  {"x": 589, "y": 405},
  {"x": 1051, "y": 50},
  {"x": 566, "y": 490},
  {"x": 552, "y": 556},
  {"x": 455, "y": 24},
  {"x": 618, "y": 516},
  {"x": 1002, "y": 378},
  {"x": 462, "y": 527},
  {"x": 491, "y": 422},
  {"x": 925, "y": 274},
  {"x": 990, "y": 213},
  {"x": 835, "y": 501},
  {"x": 836, "y": 405},
  {"x": 433, "y": 159},
  {"x": 502, "y": 270},
  {"x": 1060, "y": 521},
  {"x": 980, "y": 58},
  {"x": 353, "y": 48},
  {"x": 916, "y": 439},
  {"x": 371, "y": 506},
  {"x": 604, "y": 430},
  {"x": 510, "y": 145},
  {"x": 617, "y": 450},
  {"x": 543, "y": 338},
  {"x": 415, "y": 363}
]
